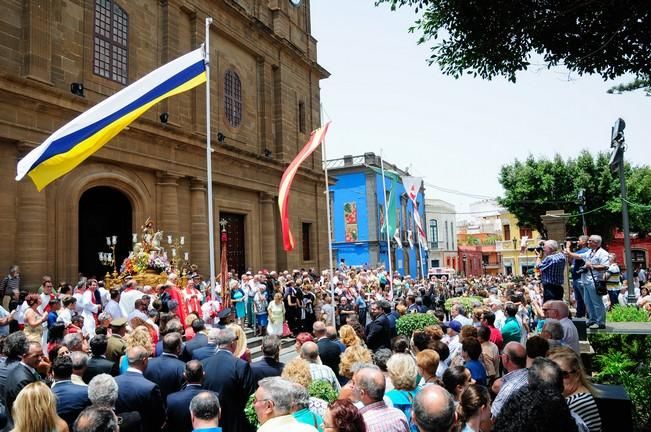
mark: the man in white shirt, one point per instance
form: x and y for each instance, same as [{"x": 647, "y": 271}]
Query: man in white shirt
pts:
[
  {"x": 113, "y": 306},
  {"x": 129, "y": 296},
  {"x": 596, "y": 262}
]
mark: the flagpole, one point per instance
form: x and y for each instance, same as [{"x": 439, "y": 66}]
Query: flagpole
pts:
[
  {"x": 420, "y": 250},
  {"x": 211, "y": 228},
  {"x": 386, "y": 223},
  {"x": 328, "y": 210}
]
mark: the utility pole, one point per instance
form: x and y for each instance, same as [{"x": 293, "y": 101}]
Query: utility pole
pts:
[{"x": 618, "y": 144}]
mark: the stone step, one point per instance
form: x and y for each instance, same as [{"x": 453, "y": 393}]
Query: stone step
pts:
[{"x": 286, "y": 345}]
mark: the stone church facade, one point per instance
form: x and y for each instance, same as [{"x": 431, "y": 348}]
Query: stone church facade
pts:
[{"x": 59, "y": 58}]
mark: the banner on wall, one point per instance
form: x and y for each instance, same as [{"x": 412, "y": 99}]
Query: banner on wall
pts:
[{"x": 350, "y": 221}]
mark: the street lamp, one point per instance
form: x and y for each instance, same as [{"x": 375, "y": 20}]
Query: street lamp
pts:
[
  {"x": 464, "y": 259},
  {"x": 483, "y": 264}
]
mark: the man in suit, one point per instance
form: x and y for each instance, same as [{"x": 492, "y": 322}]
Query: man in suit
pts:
[
  {"x": 116, "y": 346},
  {"x": 378, "y": 331},
  {"x": 22, "y": 374},
  {"x": 15, "y": 347},
  {"x": 71, "y": 398},
  {"x": 179, "y": 402},
  {"x": 208, "y": 350},
  {"x": 200, "y": 338},
  {"x": 167, "y": 370},
  {"x": 135, "y": 392},
  {"x": 268, "y": 365},
  {"x": 328, "y": 350},
  {"x": 103, "y": 393},
  {"x": 231, "y": 378},
  {"x": 98, "y": 363}
]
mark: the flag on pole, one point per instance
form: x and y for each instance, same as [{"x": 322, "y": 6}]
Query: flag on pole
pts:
[
  {"x": 316, "y": 137},
  {"x": 396, "y": 237},
  {"x": 412, "y": 186},
  {"x": 74, "y": 142}
]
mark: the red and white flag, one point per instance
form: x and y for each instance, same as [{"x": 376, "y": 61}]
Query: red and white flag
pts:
[
  {"x": 316, "y": 137},
  {"x": 412, "y": 186}
]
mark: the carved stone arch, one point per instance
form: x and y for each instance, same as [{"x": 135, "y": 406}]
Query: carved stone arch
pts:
[{"x": 69, "y": 192}]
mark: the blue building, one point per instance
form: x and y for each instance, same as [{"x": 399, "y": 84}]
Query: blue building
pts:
[{"x": 357, "y": 202}]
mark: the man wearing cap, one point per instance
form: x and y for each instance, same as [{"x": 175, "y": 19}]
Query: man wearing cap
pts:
[
  {"x": 116, "y": 346},
  {"x": 225, "y": 317},
  {"x": 452, "y": 339}
]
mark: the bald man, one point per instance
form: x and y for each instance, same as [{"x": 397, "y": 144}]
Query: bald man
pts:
[
  {"x": 433, "y": 409},
  {"x": 558, "y": 310},
  {"x": 368, "y": 389},
  {"x": 310, "y": 353},
  {"x": 137, "y": 393},
  {"x": 514, "y": 360}
]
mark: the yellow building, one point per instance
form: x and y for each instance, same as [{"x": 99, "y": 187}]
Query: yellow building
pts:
[{"x": 515, "y": 244}]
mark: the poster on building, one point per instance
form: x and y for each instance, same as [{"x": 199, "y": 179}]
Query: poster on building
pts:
[{"x": 350, "y": 221}]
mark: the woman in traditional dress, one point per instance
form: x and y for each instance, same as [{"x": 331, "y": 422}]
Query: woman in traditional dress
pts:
[
  {"x": 33, "y": 319},
  {"x": 276, "y": 311}
]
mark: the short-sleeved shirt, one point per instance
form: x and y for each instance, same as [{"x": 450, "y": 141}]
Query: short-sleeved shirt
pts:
[
  {"x": 598, "y": 257},
  {"x": 381, "y": 418},
  {"x": 511, "y": 383}
]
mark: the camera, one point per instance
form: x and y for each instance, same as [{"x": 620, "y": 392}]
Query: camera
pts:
[
  {"x": 572, "y": 242},
  {"x": 538, "y": 249}
]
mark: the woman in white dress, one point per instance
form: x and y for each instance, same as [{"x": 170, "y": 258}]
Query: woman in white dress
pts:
[{"x": 276, "y": 311}]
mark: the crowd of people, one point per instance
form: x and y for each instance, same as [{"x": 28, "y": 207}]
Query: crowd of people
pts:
[{"x": 175, "y": 358}]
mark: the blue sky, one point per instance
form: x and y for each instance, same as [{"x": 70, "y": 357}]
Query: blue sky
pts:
[{"x": 382, "y": 96}]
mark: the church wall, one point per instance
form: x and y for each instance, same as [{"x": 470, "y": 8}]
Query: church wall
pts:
[{"x": 45, "y": 46}]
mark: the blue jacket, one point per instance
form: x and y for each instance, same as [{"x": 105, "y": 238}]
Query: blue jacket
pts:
[
  {"x": 71, "y": 400},
  {"x": 266, "y": 367},
  {"x": 178, "y": 408},
  {"x": 167, "y": 372},
  {"x": 137, "y": 393}
]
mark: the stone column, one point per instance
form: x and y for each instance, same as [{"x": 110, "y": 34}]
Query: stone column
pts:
[
  {"x": 169, "y": 204},
  {"x": 555, "y": 222},
  {"x": 199, "y": 253},
  {"x": 31, "y": 238},
  {"x": 8, "y": 190},
  {"x": 268, "y": 232},
  {"x": 37, "y": 40}
]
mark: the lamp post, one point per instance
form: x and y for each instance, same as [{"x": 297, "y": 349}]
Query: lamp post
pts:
[
  {"x": 618, "y": 144},
  {"x": 464, "y": 259},
  {"x": 483, "y": 264}
]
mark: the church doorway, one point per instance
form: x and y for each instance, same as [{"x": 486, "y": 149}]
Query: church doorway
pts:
[
  {"x": 103, "y": 212},
  {"x": 235, "y": 249}
]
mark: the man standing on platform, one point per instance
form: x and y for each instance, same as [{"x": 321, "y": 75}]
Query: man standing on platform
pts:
[
  {"x": 552, "y": 270},
  {"x": 577, "y": 285}
]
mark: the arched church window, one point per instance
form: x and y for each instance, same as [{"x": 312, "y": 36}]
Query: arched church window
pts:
[
  {"x": 110, "y": 43},
  {"x": 233, "y": 98}
]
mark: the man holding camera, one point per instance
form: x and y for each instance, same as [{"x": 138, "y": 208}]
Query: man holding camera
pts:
[
  {"x": 552, "y": 270},
  {"x": 596, "y": 262}
]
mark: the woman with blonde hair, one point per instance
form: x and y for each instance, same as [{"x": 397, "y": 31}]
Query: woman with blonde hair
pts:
[
  {"x": 298, "y": 371},
  {"x": 138, "y": 337},
  {"x": 241, "y": 349},
  {"x": 35, "y": 410},
  {"x": 276, "y": 313},
  {"x": 348, "y": 335},
  {"x": 427, "y": 362},
  {"x": 577, "y": 388},
  {"x": 353, "y": 354},
  {"x": 403, "y": 373}
]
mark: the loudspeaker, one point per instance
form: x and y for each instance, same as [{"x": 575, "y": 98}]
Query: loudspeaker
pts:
[
  {"x": 579, "y": 323},
  {"x": 615, "y": 408}
]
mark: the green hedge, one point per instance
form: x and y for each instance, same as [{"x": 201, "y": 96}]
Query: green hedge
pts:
[
  {"x": 625, "y": 359},
  {"x": 407, "y": 324},
  {"x": 627, "y": 314},
  {"x": 467, "y": 302}
]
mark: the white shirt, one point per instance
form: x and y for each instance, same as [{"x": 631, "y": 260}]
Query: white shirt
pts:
[
  {"x": 115, "y": 310},
  {"x": 570, "y": 334},
  {"x": 88, "y": 309},
  {"x": 128, "y": 300}
]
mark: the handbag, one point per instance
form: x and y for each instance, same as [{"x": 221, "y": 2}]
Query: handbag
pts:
[
  {"x": 600, "y": 285},
  {"x": 286, "y": 330}
]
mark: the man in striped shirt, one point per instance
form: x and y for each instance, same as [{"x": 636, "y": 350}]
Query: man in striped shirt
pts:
[
  {"x": 368, "y": 388},
  {"x": 552, "y": 271}
]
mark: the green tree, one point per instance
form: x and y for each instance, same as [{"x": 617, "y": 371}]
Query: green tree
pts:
[
  {"x": 534, "y": 186},
  {"x": 498, "y": 37}
]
